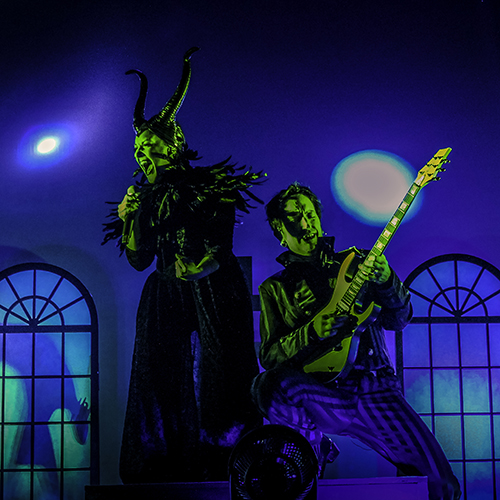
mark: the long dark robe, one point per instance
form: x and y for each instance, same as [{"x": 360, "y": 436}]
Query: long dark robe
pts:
[{"x": 194, "y": 358}]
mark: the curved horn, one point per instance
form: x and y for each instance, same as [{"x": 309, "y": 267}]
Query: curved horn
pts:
[
  {"x": 140, "y": 105},
  {"x": 169, "y": 111}
]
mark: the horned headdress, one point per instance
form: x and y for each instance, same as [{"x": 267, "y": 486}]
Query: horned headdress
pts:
[{"x": 164, "y": 124}]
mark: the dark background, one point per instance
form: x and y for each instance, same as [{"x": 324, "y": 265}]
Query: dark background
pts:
[{"x": 290, "y": 88}]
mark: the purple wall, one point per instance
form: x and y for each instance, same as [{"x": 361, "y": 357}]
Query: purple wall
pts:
[{"x": 287, "y": 87}]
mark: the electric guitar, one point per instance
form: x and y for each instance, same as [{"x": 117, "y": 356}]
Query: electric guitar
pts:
[{"x": 339, "y": 352}]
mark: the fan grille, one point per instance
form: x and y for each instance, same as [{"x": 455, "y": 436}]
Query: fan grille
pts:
[{"x": 273, "y": 462}]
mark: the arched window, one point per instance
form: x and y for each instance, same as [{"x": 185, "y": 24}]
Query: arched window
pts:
[
  {"x": 49, "y": 384},
  {"x": 449, "y": 360}
]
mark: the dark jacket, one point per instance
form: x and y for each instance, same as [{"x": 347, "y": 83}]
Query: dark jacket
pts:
[{"x": 286, "y": 322}]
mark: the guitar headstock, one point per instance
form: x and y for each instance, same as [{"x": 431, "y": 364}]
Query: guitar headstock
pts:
[{"x": 429, "y": 172}]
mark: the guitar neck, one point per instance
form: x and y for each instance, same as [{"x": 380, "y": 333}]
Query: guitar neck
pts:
[
  {"x": 349, "y": 298},
  {"x": 425, "y": 175}
]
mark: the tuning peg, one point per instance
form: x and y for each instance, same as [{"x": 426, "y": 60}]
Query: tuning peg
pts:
[{"x": 436, "y": 179}]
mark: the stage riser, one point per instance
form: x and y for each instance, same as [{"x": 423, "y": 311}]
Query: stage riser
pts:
[{"x": 414, "y": 488}]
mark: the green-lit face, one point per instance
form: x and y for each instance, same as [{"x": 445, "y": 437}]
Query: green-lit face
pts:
[
  {"x": 151, "y": 153},
  {"x": 301, "y": 225}
]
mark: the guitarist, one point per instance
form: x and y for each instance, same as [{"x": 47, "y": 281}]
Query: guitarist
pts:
[{"x": 365, "y": 401}]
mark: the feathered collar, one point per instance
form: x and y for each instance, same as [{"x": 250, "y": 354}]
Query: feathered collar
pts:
[{"x": 191, "y": 186}]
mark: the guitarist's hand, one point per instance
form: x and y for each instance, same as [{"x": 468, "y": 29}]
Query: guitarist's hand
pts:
[
  {"x": 331, "y": 325},
  {"x": 303, "y": 295},
  {"x": 376, "y": 269}
]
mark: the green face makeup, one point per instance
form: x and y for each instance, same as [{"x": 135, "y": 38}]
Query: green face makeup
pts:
[
  {"x": 151, "y": 153},
  {"x": 301, "y": 225}
]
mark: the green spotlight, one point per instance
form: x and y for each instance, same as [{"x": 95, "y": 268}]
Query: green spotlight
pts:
[{"x": 47, "y": 145}]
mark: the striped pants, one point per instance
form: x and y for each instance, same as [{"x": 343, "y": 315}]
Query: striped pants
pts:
[{"x": 369, "y": 408}]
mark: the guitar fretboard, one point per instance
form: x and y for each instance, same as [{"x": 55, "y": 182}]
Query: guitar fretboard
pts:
[
  {"x": 348, "y": 299},
  {"x": 424, "y": 176}
]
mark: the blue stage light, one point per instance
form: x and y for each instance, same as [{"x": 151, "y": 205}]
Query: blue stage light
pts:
[
  {"x": 46, "y": 145},
  {"x": 370, "y": 185}
]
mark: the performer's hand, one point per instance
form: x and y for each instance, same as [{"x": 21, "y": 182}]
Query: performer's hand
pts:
[
  {"x": 303, "y": 295},
  {"x": 331, "y": 324},
  {"x": 186, "y": 269},
  {"x": 376, "y": 269},
  {"x": 129, "y": 204}
]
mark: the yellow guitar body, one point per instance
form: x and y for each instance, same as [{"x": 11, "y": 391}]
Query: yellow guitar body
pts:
[
  {"x": 340, "y": 350},
  {"x": 336, "y": 360}
]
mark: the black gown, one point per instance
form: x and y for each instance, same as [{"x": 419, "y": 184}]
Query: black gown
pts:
[{"x": 194, "y": 358}]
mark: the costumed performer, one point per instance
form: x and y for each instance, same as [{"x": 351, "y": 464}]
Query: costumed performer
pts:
[
  {"x": 194, "y": 359},
  {"x": 364, "y": 399}
]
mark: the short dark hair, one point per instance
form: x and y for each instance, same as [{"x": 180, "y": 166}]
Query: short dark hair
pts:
[{"x": 275, "y": 208}]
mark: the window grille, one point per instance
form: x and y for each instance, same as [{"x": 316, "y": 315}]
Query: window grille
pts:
[
  {"x": 449, "y": 360},
  {"x": 49, "y": 384}
]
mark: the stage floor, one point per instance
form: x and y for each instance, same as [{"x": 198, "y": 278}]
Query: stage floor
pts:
[{"x": 390, "y": 488}]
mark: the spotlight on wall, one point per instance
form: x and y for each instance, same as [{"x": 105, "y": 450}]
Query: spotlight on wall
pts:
[
  {"x": 273, "y": 462},
  {"x": 46, "y": 145},
  {"x": 369, "y": 185}
]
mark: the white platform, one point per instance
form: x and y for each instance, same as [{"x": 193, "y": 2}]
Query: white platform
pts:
[
  {"x": 378, "y": 488},
  {"x": 389, "y": 488}
]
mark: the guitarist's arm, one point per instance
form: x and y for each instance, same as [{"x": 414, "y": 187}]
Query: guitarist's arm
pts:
[
  {"x": 394, "y": 299},
  {"x": 279, "y": 342},
  {"x": 390, "y": 294}
]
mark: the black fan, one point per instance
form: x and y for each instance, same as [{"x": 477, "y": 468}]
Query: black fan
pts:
[{"x": 273, "y": 462}]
